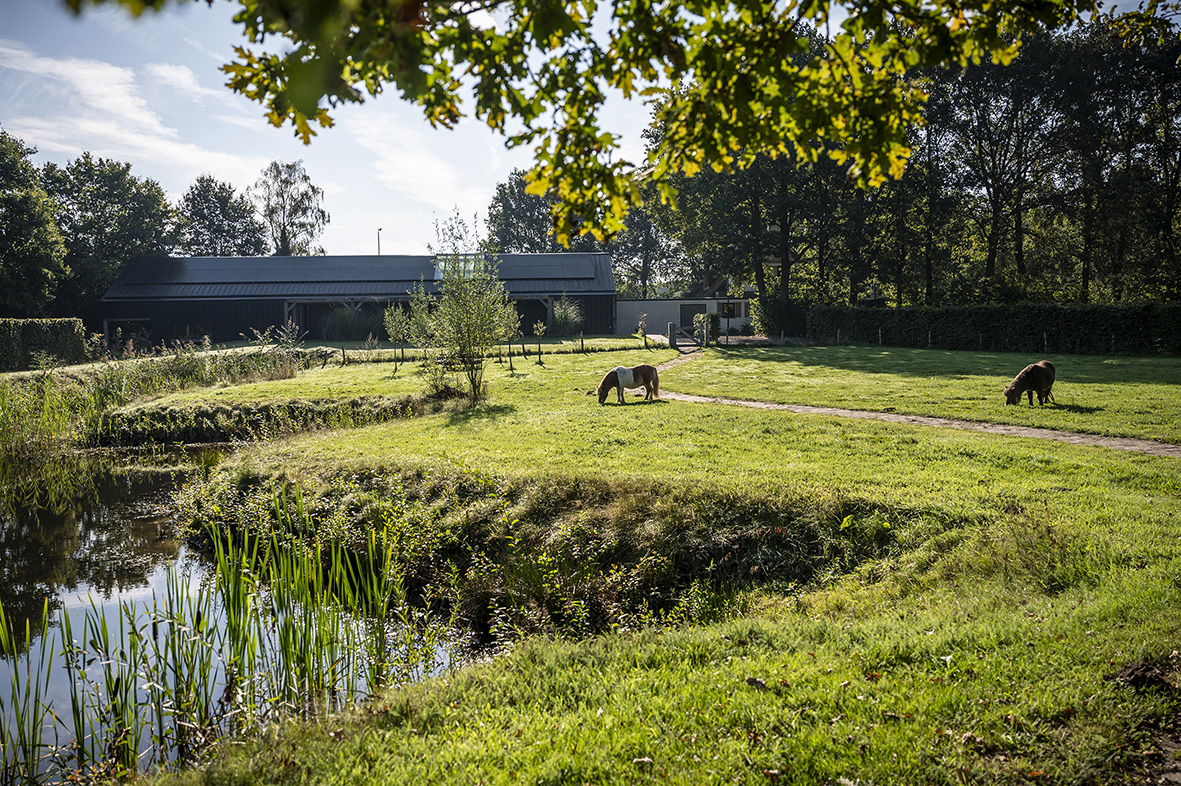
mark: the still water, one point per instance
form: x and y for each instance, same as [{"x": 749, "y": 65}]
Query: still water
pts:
[
  {"x": 152, "y": 651},
  {"x": 106, "y": 541}
]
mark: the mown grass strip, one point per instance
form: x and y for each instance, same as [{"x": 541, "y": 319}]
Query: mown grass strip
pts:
[{"x": 1117, "y": 396}]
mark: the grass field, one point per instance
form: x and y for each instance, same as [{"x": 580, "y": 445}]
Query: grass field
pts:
[
  {"x": 1022, "y": 625},
  {"x": 1116, "y": 396}
]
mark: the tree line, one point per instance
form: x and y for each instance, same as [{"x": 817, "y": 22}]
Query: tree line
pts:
[
  {"x": 67, "y": 231},
  {"x": 1055, "y": 178}
]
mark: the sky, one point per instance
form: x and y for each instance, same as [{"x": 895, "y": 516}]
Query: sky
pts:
[{"x": 149, "y": 92}]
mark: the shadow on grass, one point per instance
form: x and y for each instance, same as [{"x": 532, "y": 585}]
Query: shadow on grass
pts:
[
  {"x": 1078, "y": 408},
  {"x": 460, "y": 417},
  {"x": 633, "y": 403},
  {"x": 925, "y": 363}
]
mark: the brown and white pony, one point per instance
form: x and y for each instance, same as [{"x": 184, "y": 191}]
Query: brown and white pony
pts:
[
  {"x": 1034, "y": 378},
  {"x": 621, "y": 377}
]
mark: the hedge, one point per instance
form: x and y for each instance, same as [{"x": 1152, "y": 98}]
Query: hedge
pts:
[
  {"x": 1138, "y": 329},
  {"x": 23, "y": 340}
]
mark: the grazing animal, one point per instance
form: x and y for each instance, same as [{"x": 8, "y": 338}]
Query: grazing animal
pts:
[
  {"x": 1034, "y": 378},
  {"x": 621, "y": 377}
]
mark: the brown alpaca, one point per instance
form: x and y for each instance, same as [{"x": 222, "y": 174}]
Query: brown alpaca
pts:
[
  {"x": 622, "y": 377},
  {"x": 1034, "y": 378}
]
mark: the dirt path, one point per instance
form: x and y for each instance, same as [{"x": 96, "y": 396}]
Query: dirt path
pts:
[{"x": 1118, "y": 443}]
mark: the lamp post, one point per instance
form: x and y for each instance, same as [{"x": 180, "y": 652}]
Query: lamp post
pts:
[{"x": 379, "y": 241}]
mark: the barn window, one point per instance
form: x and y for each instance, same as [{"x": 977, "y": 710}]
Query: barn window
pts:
[{"x": 468, "y": 264}]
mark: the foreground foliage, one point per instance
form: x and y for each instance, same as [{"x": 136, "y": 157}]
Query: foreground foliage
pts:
[
  {"x": 884, "y": 691},
  {"x": 749, "y": 78}
]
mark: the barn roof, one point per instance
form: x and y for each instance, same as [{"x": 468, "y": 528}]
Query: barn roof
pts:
[{"x": 334, "y": 278}]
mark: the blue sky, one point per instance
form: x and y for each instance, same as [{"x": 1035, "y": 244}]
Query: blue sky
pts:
[{"x": 149, "y": 91}]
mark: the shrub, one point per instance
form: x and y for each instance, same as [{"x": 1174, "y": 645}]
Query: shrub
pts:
[
  {"x": 346, "y": 325},
  {"x": 774, "y": 317}
]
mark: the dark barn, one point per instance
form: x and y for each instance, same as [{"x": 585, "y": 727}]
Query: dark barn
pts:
[{"x": 226, "y": 298}]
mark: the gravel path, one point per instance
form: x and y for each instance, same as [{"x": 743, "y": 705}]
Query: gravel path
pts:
[{"x": 1118, "y": 443}]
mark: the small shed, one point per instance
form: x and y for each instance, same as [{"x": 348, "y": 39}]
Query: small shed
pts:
[{"x": 169, "y": 299}]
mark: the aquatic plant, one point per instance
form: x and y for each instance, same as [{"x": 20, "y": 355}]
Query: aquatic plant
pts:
[{"x": 276, "y": 628}]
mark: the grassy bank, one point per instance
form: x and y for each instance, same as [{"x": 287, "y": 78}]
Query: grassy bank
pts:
[
  {"x": 889, "y": 692},
  {"x": 973, "y": 608}
]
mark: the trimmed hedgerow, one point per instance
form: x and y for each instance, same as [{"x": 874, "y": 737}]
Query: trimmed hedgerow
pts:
[
  {"x": 22, "y": 341},
  {"x": 1137, "y": 329}
]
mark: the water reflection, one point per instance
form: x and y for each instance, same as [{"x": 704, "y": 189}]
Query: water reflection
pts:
[
  {"x": 103, "y": 535},
  {"x": 153, "y": 652}
]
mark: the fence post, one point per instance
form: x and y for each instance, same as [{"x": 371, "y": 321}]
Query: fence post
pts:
[{"x": 672, "y": 335}]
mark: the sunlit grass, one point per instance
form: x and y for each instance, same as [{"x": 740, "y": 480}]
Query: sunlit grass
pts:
[
  {"x": 542, "y": 420},
  {"x": 1117, "y": 396},
  {"x": 979, "y": 646}
]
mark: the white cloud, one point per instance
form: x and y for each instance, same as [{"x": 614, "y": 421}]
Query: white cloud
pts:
[
  {"x": 182, "y": 79},
  {"x": 205, "y": 50},
  {"x": 404, "y": 163},
  {"x": 102, "y": 87},
  {"x": 85, "y": 104}
]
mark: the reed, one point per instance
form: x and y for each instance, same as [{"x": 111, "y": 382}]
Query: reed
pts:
[
  {"x": 23, "y": 738},
  {"x": 275, "y": 629},
  {"x": 45, "y": 414}
]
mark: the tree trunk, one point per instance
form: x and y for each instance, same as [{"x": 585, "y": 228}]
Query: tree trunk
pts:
[
  {"x": 994, "y": 238},
  {"x": 1019, "y": 234},
  {"x": 900, "y": 242},
  {"x": 929, "y": 229},
  {"x": 1117, "y": 274},
  {"x": 1088, "y": 246},
  {"x": 761, "y": 285}
]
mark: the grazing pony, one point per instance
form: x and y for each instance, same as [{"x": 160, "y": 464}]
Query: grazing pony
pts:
[
  {"x": 1034, "y": 378},
  {"x": 622, "y": 377}
]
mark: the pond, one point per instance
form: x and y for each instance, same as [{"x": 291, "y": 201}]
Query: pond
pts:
[
  {"x": 106, "y": 541},
  {"x": 122, "y": 648}
]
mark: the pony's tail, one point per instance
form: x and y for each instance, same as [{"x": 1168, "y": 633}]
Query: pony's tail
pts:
[{"x": 655, "y": 383}]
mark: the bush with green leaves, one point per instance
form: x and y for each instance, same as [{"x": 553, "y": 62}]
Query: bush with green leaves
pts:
[
  {"x": 459, "y": 328},
  {"x": 397, "y": 326},
  {"x": 22, "y": 340}
]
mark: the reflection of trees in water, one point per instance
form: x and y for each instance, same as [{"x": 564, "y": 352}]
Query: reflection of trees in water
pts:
[{"x": 95, "y": 530}]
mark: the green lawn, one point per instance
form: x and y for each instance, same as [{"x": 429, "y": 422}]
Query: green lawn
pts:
[
  {"x": 541, "y": 419},
  {"x": 1118, "y": 396},
  {"x": 979, "y": 648}
]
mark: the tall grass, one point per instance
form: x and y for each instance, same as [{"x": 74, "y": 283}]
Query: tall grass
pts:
[
  {"x": 46, "y": 414},
  {"x": 24, "y": 712},
  {"x": 276, "y": 629}
]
